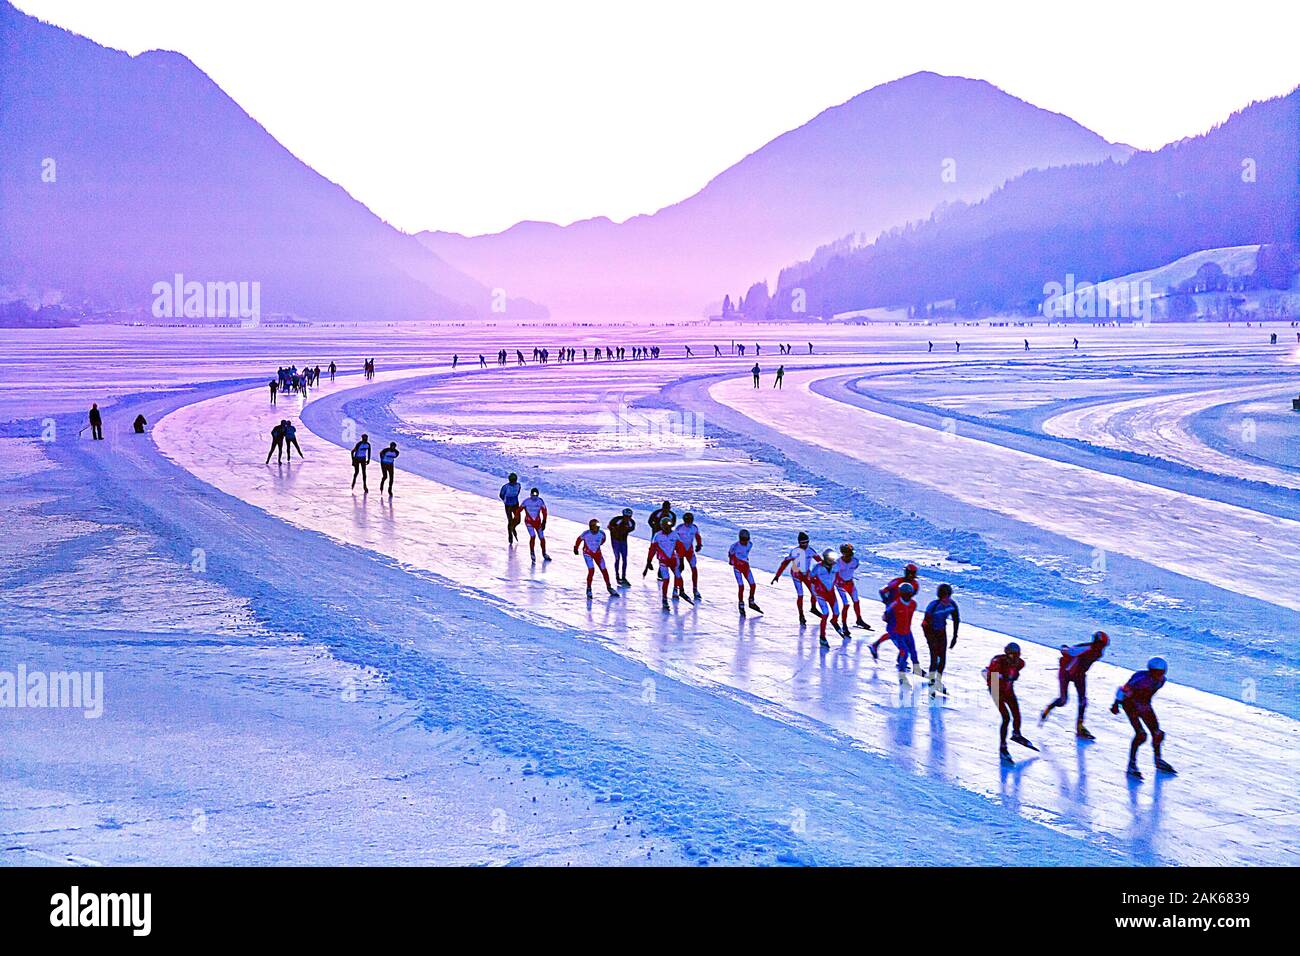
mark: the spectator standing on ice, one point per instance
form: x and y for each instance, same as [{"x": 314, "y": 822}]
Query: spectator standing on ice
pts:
[
  {"x": 780, "y": 376},
  {"x": 96, "y": 422},
  {"x": 755, "y": 370}
]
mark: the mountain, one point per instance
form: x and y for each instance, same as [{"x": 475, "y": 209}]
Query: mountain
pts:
[
  {"x": 155, "y": 171},
  {"x": 886, "y": 156},
  {"x": 1233, "y": 186}
]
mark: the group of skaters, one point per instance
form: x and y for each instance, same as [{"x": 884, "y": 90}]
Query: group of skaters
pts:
[
  {"x": 542, "y": 356},
  {"x": 284, "y": 442},
  {"x": 609, "y": 353},
  {"x": 783, "y": 348},
  {"x": 829, "y": 580},
  {"x": 292, "y": 380}
]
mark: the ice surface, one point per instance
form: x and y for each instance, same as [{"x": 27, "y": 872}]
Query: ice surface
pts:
[
  {"x": 1198, "y": 818},
  {"x": 1156, "y": 425},
  {"x": 217, "y": 710},
  {"x": 1231, "y": 547}
]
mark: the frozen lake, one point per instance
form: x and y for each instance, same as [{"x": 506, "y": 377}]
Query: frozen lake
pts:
[{"x": 950, "y": 460}]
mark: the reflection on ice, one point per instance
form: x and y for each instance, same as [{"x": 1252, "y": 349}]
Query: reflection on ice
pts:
[{"x": 434, "y": 529}]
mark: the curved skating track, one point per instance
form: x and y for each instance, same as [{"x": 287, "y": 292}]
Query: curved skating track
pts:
[
  {"x": 1204, "y": 816},
  {"x": 1156, "y": 425},
  {"x": 1222, "y": 544}
]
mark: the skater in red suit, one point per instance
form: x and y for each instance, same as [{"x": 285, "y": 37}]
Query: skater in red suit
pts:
[
  {"x": 889, "y": 594},
  {"x": 1001, "y": 676},
  {"x": 1073, "y": 669}
]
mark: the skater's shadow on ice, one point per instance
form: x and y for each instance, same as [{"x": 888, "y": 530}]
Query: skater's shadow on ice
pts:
[
  {"x": 1145, "y": 822},
  {"x": 900, "y": 721},
  {"x": 1009, "y": 778}
]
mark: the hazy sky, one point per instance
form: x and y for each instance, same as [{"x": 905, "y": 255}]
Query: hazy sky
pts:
[{"x": 474, "y": 114}]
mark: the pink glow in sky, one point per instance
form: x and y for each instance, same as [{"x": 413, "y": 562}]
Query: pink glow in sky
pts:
[{"x": 472, "y": 116}]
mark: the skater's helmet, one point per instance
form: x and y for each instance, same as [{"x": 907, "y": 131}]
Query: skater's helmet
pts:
[
  {"x": 744, "y": 535},
  {"x": 945, "y": 590},
  {"x": 1157, "y": 664},
  {"x": 909, "y": 568},
  {"x": 828, "y": 556},
  {"x": 1101, "y": 638},
  {"x": 803, "y": 537},
  {"x": 535, "y": 491},
  {"x": 593, "y": 524},
  {"x": 688, "y": 517},
  {"x": 906, "y": 590},
  {"x": 846, "y": 548},
  {"x": 627, "y": 512},
  {"x": 1012, "y": 648}
]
